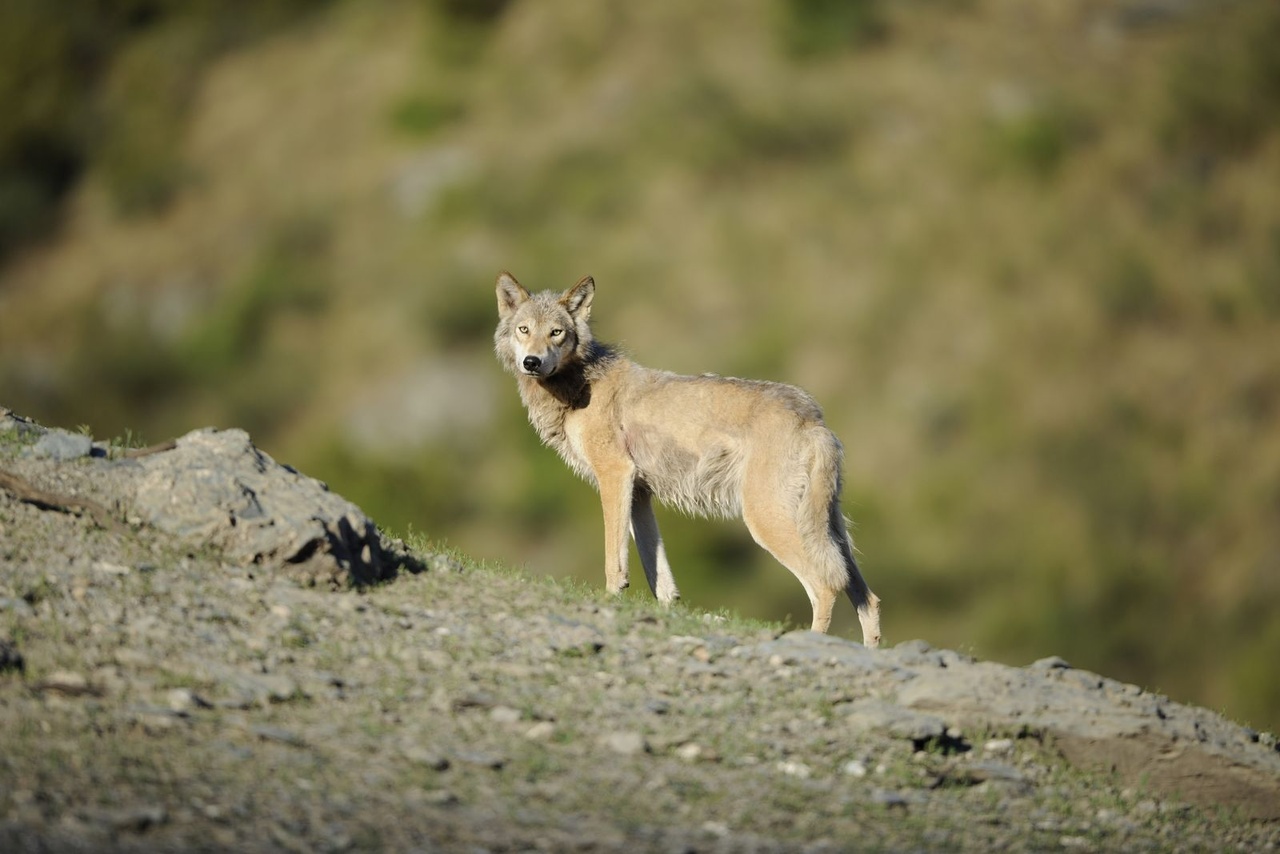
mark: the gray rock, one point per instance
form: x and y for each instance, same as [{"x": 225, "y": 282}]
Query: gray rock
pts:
[
  {"x": 17, "y": 606},
  {"x": 571, "y": 637},
  {"x": 428, "y": 758},
  {"x": 215, "y": 488},
  {"x": 895, "y": 720},
  {"x": 988, "y": 772},
  {"x": 481, "y": 759},
  {"x": 901, "y": 800},
  {"x": 278, "y": 734},
  {"x": 11, "y": 422},
  {"x": 624, "y": 743},
  {"x": 61, "y": 446},
  {"x": 806, "y": 646}
]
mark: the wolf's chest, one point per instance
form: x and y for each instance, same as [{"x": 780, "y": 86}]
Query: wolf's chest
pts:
[{"x": 572, "y": 446}]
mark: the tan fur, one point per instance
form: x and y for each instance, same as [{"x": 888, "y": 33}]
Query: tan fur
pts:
[{"x": 707, "y": 445}]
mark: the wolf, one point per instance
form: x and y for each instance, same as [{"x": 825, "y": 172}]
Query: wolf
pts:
[{"x": 706, "y": 445}]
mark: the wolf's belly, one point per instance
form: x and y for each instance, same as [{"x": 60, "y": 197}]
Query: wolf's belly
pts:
[{"x": 699, "y": 480}]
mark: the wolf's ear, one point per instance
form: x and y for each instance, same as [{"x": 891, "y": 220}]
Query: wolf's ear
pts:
[
  {"x": 577, "y": 300},
  {"x": 510, "y": 294}
]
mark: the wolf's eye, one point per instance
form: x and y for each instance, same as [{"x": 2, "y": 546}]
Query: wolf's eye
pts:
[
  {"x": 524, "y": 330},
  {"x": 556, "y": 333}
]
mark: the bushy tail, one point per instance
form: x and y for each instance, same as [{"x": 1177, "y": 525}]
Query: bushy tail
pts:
[
  {"x": 821, "y": 523},
  {"x": 826, "y": 531}
]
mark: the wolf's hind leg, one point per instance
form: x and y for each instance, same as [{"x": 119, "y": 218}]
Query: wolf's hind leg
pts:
[
  {"x": 814, "y": 556},
  {"x": 653, "y": 556},
  {"x": 774, "y": 528},
  {"x": 866, "y": 602}
]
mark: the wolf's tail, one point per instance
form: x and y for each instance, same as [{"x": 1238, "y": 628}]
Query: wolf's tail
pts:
[{"x": 826, "y": 530}]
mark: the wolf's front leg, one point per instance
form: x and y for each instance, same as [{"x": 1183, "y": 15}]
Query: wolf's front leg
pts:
[
  {"x": 615, "y": 497},
  {"x": 653, "y": 557}
]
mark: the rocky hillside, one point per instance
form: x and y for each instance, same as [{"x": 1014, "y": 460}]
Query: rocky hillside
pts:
[
  {"x": 1027, "y": 257},
  {"x": 201, "y": 649}
]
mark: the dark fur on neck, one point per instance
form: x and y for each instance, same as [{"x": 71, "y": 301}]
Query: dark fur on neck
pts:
[{"x": 551, "y": 399}]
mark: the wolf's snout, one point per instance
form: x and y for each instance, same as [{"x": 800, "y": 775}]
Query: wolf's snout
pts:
[{"x": 532, "y": 363}]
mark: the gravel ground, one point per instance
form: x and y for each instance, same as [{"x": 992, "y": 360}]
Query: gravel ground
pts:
[{"x": 163, "y": 689}]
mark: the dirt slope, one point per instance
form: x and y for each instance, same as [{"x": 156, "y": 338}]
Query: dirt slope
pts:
[{"x": 188, "y": 661}]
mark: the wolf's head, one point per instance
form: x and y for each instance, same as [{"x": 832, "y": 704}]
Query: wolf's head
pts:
[{"x": 540, "y": 334}]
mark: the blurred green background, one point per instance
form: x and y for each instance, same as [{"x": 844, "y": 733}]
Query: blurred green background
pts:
[{"x": 1027, "y": 256}]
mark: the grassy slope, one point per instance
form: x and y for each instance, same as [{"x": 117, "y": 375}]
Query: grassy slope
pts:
[{"x": 1035, "y": 289}]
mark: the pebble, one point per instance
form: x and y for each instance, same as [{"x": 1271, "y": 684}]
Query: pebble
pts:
[
  {"x": 624, "y": 743},
  {"x": 439, "y": 797},
  {"x": 17, "y": 606},
  {"x": 689, "y": 752},
  {"x": 278, "y": 734},
  {"x": 429, "y": 758},
  {"x": 541, "y": 731},
  {"x": 183, "y": 700},
  {"x": 795, "y": 769},
  {"x": 717, "y": 829},
  {"x": 108, "y": 568},
  {"x": 504, "y": 715},
  {"x": 481, "y": 759},
  {"x": 66, "y": 682},
  {"x": 855, "y": 768},
  {"x": 890, "y": 798}
]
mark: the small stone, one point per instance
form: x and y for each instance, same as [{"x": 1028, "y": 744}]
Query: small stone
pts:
[
  {"x": 504, "y": 715},
  {"x": 717, "y": 829},
  {"x": 107, "y": 568},
  {"x": 998, "y": 746},
  {"x": 439, "y": 797},
  {"x": 474, "y": 700},
  {"x": 889, "y": 798},
  {"x": 541, "y": 731},
  {"x": 484, "y": 760},
  {"x": 278, "y": 734},
  {"x": 66, "y": 682},
  {"x": 624, "y": 743},
  {"x": 795, "y": 769},
  {"x": 430, "y": 759},
  {"x": 689, "y": 752},
  {"x": 17, "y": 606},
  {"x": 855, "y": 768},
  {"x": 61, "y": 446},
  {"x": 988, "y": 772},
  {"x": 1053, "y": 662},
  {"x": 180, "y": 699}
]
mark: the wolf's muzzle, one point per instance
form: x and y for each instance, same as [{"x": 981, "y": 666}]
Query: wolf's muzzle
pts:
[{"x": 532, "y": 363}]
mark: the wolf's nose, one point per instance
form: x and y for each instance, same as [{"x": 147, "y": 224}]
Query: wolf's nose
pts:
[{"x": 531, "y": 363}]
